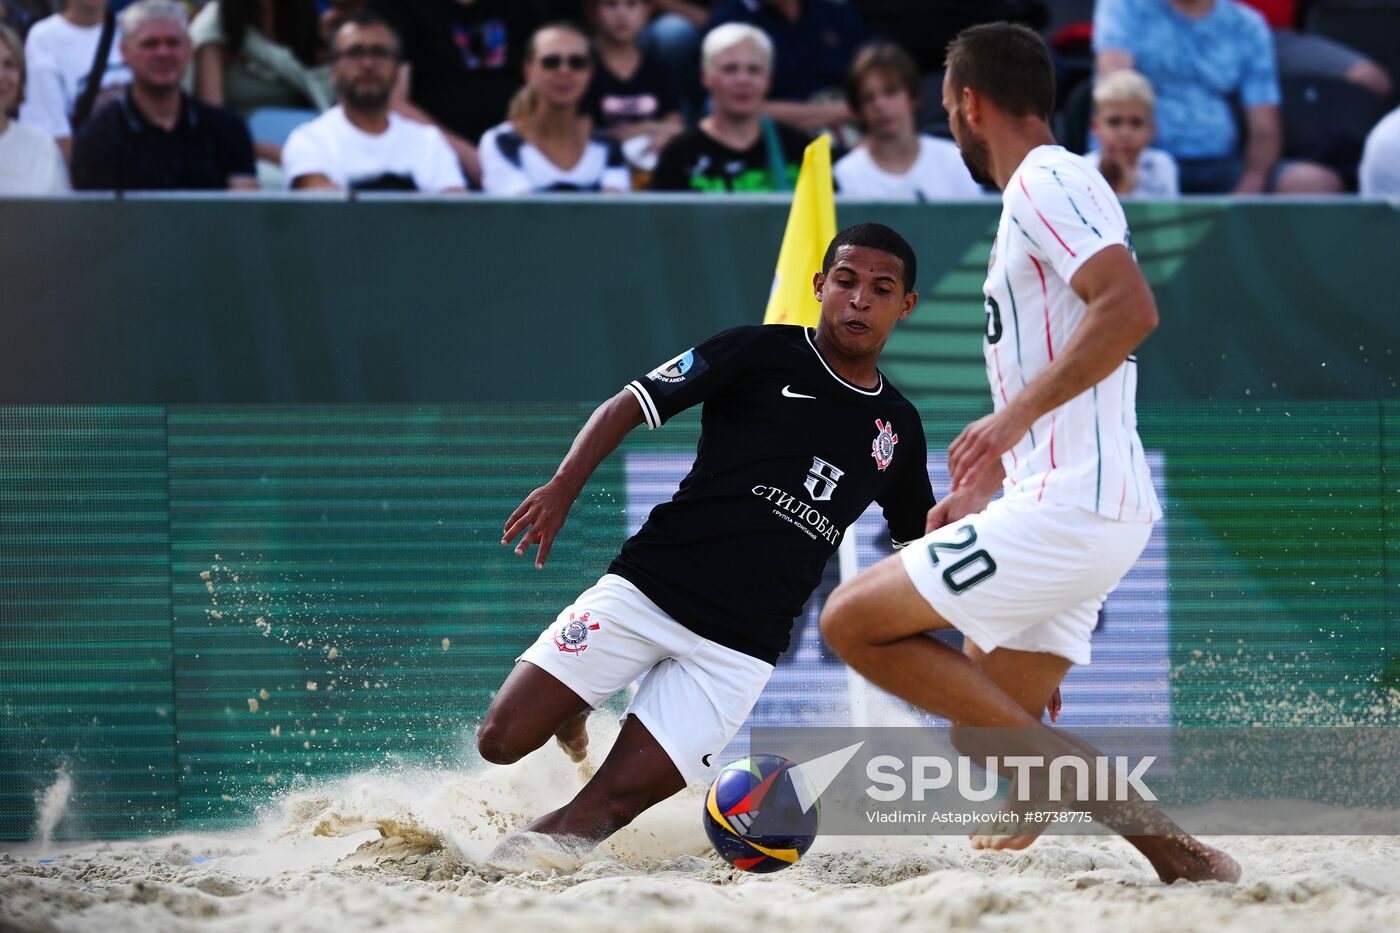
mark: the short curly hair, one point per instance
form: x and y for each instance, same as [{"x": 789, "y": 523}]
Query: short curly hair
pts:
[{"x": 876, "y": 236}]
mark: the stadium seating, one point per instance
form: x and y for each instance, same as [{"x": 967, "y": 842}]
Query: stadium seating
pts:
[{"x": 274, "y": 124}]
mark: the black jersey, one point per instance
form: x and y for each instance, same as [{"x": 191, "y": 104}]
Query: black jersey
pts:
[{"x": 790, "y": 455}]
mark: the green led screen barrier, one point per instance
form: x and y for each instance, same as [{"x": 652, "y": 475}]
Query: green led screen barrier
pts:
[
  {"x": 329, "y": 408},
  {"x": 413, "y": 300},
  {"x": 85, "y": 617},
  {"x": 205, "y": 605}
]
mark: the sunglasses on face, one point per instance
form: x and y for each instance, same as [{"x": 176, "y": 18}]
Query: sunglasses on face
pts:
[
  {"x": 1135, "y": 123},
  {"x": 359, "y": 53},
  {"x": 554, "y": 61}
]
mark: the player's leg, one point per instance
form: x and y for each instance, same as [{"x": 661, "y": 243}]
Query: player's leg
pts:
[
  {"x": 1002, "y": 687},
  {"x": 637, "y": 774},
  {"x": 876, "y": 623},
  {"x": 1000, "y": 574},
  {"x": 531, "y": 706},
  {"x": 685, "y": 712},
  {"x": 596, "y": 647},
  {"x": 573, "y": 737},
  {"x": 993, "y": 576},
  {"x": 1030, "y": 678}
]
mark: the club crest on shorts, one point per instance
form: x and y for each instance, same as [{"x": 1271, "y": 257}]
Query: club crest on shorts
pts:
[
  {"x": 882, "y": 448},
  {"x": 572, "y": 636}
]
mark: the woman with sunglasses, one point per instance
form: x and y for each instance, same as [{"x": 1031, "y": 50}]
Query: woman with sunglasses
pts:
[{"x": 547, "y": 143}]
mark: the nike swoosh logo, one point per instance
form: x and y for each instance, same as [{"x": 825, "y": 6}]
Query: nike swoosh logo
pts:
[{"x": 787, "y": 391}]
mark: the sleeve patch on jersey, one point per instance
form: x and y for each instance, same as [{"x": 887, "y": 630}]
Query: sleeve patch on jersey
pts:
[{"x": 672, "y": 374}]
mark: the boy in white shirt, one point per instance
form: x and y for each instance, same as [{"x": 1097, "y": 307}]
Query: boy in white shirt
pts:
[
  {"x": 361, "y": 144},
  {"x": 1123, "y": 124},
  {"x": 895, "y": 162}
]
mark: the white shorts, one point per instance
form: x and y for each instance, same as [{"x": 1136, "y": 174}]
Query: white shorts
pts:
[
  {"x": 695, "y": 694},
  {"x": 1025, "y": 576}
]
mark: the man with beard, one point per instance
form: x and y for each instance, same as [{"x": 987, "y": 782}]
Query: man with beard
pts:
[
  {"x": 1023, "y": 577},
  {"x": 155, "y": 137},
  {"x": 361, "y": 145}
]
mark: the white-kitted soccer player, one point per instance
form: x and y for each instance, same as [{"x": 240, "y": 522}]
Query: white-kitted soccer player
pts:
[{"x": 1023, "y": 577}]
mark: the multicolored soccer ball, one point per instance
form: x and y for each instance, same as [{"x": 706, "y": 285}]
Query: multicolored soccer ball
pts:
[{"x": 754, "y": 815}]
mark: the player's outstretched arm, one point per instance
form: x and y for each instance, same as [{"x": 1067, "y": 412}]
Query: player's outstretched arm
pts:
[
  {"x": 1120, "y": 313},
  {"x": 543, "y": 512}
]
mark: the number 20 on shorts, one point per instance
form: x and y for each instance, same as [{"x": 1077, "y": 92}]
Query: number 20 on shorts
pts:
[{"x": 970, "y": 569}]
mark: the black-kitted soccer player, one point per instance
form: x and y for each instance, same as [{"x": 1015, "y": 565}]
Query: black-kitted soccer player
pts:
[{"x": 800, "y": 432}]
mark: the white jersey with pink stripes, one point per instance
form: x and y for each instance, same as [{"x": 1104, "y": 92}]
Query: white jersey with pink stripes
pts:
[{"x": 1057, "y": 213}]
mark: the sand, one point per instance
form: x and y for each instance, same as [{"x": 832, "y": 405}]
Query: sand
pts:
[{"x": 407, "y": 851}]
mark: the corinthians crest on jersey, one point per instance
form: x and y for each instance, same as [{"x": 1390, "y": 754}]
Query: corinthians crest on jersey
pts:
[{"x": 882, "y": 448}]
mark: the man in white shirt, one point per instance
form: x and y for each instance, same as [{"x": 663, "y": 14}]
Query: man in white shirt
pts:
[
  {"x": 361, "y": 144},
  {"x": 895, "y": 162},
  {"x": 60, "y": 53},
  {"x": 1022, "y": 578}
]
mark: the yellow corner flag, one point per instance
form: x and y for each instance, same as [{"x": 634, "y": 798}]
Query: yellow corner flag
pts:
[{"x": 810, "y": 227}]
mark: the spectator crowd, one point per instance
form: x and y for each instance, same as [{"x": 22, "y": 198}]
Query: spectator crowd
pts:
[{"x": 513, "y": 97}]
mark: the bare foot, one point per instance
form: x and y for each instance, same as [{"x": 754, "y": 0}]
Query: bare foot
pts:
[
  {"x": 996, "y": 842},
  {"x": 1015, "y": 826},
  {"x": 1183, "y": 858},
  {"x": 523, "y": 851},
  {"x": 573, "y": 738}
]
